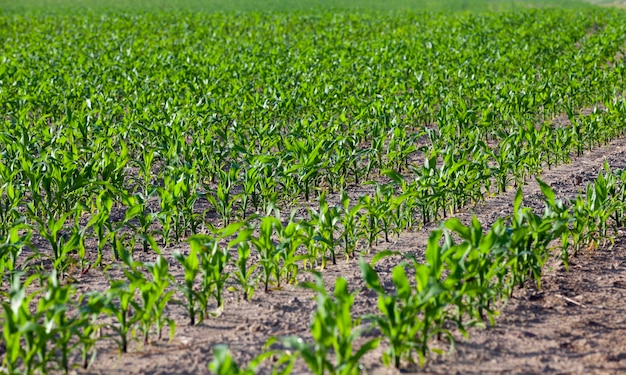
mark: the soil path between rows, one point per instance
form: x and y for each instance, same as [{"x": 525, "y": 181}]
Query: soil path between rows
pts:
[{"x": 576, "y": 324}]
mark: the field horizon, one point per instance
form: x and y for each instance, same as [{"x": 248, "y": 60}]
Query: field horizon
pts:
[{"x": 212, "y": 6}]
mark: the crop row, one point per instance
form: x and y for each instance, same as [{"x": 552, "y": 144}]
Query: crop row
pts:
[{"x": 468, "y": 271}]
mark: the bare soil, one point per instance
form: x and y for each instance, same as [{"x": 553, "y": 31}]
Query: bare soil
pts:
[{"x": 575, "y": 325}]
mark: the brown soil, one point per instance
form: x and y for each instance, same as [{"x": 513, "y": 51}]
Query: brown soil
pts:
[{"x": 575, "y": 324}]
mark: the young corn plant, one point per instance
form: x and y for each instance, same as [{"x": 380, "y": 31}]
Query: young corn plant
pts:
[
  {"x": 191, "y": 266},
  {"x": 522, "y": 260},
  {"x": 399, "y": 321},
  {"x": 314, "y": 248},
  {"x": 413, "y": 314},
  {"x": 602, "y": 202},
  {"x": 21, "y": 330},
  {"x": 244, "y": 273},
  {"x": 155, "y": 297},
  {"x": 186, "y": 197},
  {"x": 222, "y": 199},
  {"x": 350, "y": 218},
  {"x": 138, "y": 209},
  {"x": 249, "y": 195},
  {"x": 62, "y": 244},
  {"x": 18, "y": 238},
  {"x": 618, "y": 192},
  {"x": 326, "y": 221},
  {"x": 269, "y": 254},
  {"x": 309, "y": 163},
  {"x": 382, "y": 208},
  {"x": 12, "y": 199},
  {"x": 34, "y": 341},
  {"x": 561, "y": 218},
  {"x": 290, "y": 239},
  {"x": 333, "y": 330},
  {"x": 167, "y": 212},
  {"x": 592, "y": 212},
  {"x": 531, "y": 235},
  {"x": 473, "y": 269},
  {"x": 123, "y": 307},
  {"x": 213, "y": 261},
  {"x": 60, "y": 328},
  {"x": 370, "y": 221}
]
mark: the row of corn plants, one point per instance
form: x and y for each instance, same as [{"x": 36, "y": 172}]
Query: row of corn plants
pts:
[{"x": 467, "y": 273}]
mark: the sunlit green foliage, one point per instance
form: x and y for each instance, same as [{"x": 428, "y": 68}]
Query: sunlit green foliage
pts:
[{"x": 136, "y": 131}]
